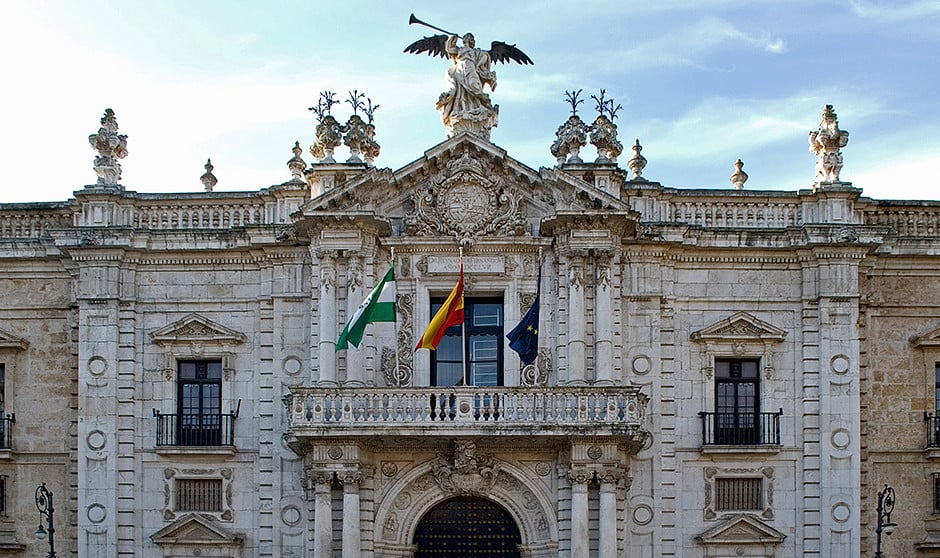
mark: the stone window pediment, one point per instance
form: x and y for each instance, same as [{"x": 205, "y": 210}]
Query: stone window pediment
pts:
[
  {"x": 740, "y": 327},
  {"x": 741, "y": 535},
  {"x": 11, "y": 342},
  {"x": 197, "y": 329},
  {"x": 197, "y": 531},
  {"x": 196, "y": 337},
  {"x": 927, "y": 339}
]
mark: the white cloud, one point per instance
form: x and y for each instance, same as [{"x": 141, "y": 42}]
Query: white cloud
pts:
[
  {"x": 895, "y": 11},
  {"x": 721, "y": 126}
]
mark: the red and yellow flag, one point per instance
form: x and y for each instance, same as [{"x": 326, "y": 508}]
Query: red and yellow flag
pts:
[{"x": 451, "y": 313}]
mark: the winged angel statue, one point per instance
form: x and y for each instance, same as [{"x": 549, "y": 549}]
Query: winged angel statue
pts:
[{"x": 466, "y": 107}]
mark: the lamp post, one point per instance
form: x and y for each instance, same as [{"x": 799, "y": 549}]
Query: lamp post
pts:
[
  {"x": 886, "y": 501},
  {"x": 44, "y": 505}
]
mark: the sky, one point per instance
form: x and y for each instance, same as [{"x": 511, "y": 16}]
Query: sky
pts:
[{"x": 701, "y": 83}]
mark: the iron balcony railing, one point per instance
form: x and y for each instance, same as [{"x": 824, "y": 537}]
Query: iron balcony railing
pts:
[
  {"x": 195, "y": 430},
  {"x": 529, "y": 411},
  {"x": 933, "y": 430},
  {"x": 741, "y": 429},
  {"x": 6, "y": 431}
]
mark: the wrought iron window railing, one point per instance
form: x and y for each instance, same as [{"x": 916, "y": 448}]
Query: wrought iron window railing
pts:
[
  {"x": 195, "y": 430},
  {"x": 6, "y": 431},
  {"x": 741, "y": 429},
  {"x": 933, "y": 430}
]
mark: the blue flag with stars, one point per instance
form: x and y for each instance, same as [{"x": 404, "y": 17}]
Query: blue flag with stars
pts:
[{"x": 524, "y": 338}]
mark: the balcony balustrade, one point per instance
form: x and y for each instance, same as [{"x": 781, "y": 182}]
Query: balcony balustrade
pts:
[
  {"x": 933, "y": 430},
  {"x": 195, "y": 430},
  {"x": 467, "y": 411},
  {"x": 741, "y": 429},
  {"x": 6, "y": 431}
]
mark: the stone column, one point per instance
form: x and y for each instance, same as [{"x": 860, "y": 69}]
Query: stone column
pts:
[
  {"x": 576, "y": 330},
  {"x": 351, "y": 529},
  {"x": 607, "y": 545},
  {"x": 580, "y": 535},
  {"x": 322, "y": 515},
  {"x": 355, "y": 359},
  {"x": 603, "y": 316},
  {"x": 326, "y": 318}
]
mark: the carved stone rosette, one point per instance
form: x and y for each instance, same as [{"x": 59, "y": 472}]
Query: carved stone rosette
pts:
[
  {"x": 466, "y": 202},
  {"x": 827, "y": 143},
  {"x": 111, "y": 147},
  {"x": 570, "y": 138}
]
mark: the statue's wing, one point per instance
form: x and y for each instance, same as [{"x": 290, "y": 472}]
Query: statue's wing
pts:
[
  {"x": 501, "y": 52},
  {"x": 433, "y": 45}
]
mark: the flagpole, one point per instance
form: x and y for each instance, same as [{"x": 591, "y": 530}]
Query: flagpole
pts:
[
  {"x": 463, "y": 329},
  {"x": 395, "y": 327}
]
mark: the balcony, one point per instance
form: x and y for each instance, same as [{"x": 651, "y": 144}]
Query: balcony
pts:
[
  {"x": 195, "y": 430},
  {"x": 736, "y": 432},
  {"x": 323, "y": 413},
  {"x": 932, "y": 421},
  {"x": 6, "y": 432}
]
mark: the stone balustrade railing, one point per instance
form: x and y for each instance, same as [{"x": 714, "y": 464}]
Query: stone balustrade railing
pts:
[
  {"x": 367, "y": 411},
  {"x": 906, "y": 220},
  {"x": 196, "y": 215},
  {"x": 745, "y": 214},
  {"x": 19, "y": 222}
]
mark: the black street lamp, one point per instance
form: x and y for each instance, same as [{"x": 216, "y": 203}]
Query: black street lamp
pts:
[
  {"x": 44, "y": 505},
  {"x": 886, "y": 503}
]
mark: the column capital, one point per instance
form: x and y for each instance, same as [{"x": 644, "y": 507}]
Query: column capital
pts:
[
  {"x": 351, "y": 478},
  {"x": 579, "y": 476}
]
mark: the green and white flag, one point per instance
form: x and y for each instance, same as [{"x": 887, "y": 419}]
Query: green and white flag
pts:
[{"x": 379, "y": 306}]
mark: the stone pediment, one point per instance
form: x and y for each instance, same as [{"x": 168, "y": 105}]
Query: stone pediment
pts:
[
  {"x": 927, "y": 339},
  {"x": 196, "y": 329},
  {"x": 10, "y": 341},
  {"x": 463, "y": 188},
  {"x": 741, "y": 530},
  {"x": 195, "y": 529},
  {"x": 740, "y": 327}
]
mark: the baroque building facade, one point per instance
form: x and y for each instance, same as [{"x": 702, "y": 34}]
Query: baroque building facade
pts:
[{"x": 721, "y": 372}]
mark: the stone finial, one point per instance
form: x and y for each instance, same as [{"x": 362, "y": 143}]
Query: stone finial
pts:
[
  {"x": 604, "y": 131},
  {"x": 329, "y": 131},
  {"x": 355, "y": 136},
  {"x": 827, "y": 143},
  {"x": 739, "y": 177},
  {"x": 570, "y": 138},
  {"x": 370, "y": 148},
  {"x": 208, "y": 179},
  {"x": 572, "y": 135},
  {"x": 111, "y": 147},
  {"x": 295, "y": 163},
  {"x": 637, "y": 163},
  {"x": 329, "y": 137}
]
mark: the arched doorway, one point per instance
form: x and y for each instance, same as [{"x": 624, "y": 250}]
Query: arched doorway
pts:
[{"x": 465, "y": 527}]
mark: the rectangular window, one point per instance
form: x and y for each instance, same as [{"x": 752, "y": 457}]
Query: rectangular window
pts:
[
  {"x": 739, "y": 494},
  {"x": 936, "y": 493},
  {"x": 936, "y": 387},
  {"x": 3, "y": 495},
  {"x": 199, "y": 495},
  {"x": 483, "y": 322},
  {"x": 200, "y": 403},
  {"x": 737, "y": 401}
]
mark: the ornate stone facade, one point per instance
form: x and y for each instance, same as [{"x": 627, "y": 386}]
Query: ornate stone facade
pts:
[{"x": 618, "y": 440}]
